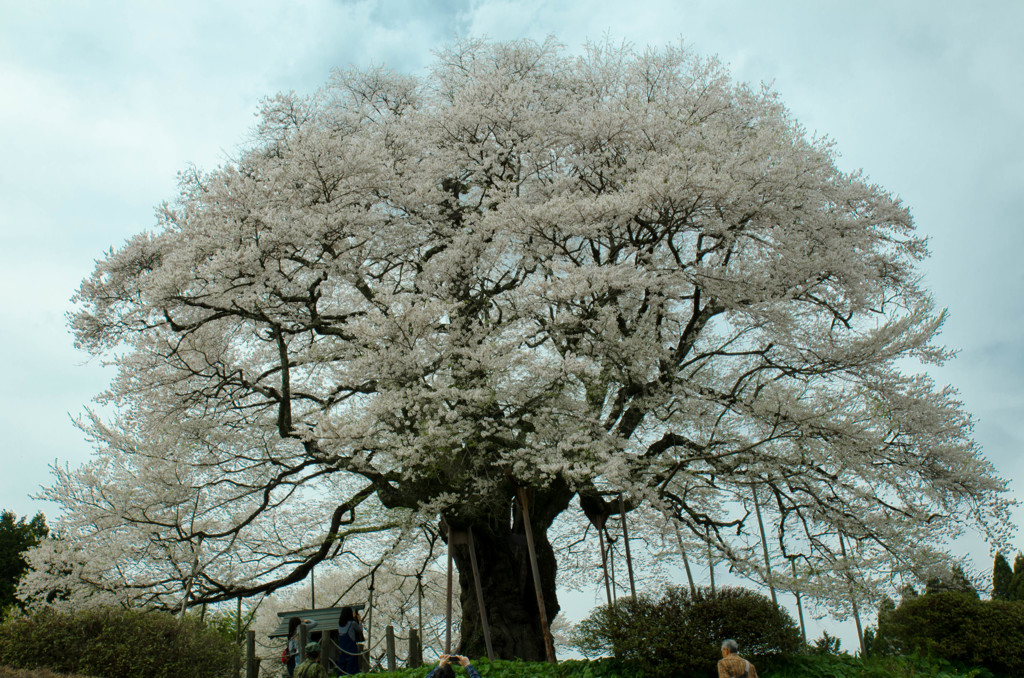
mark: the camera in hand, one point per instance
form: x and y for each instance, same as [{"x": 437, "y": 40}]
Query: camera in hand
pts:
[{"x": 454, "y": 658}]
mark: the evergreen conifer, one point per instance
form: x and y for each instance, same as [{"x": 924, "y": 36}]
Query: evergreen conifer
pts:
[{"x": 1002, "y": 576}]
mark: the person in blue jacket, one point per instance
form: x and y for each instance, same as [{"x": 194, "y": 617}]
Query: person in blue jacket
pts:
[
  {"x": 444, "y": 668},
  {"x": 350, "y": 634}
]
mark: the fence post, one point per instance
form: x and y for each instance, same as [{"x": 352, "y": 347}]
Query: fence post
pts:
[
  {"x": 325, "y": 651},
  {"x": 364, "y": 657},
  {"x": 303, "y": 639},
  {"x": 250, "y": 654},
  {"x": 389, "y": 641},
  {"x": 415, "y": 650}
]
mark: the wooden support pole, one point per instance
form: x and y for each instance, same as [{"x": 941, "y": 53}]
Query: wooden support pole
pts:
[
  {"x": 419, "y": 601},
  {"x": 389, "y": 647},
  {"x": 625, "y": 541},
  {"x": 312, "y": 588},
  {"x": 368, "y": 628},
  {"x": 853, "y": 597},
  {"x": 250, "y": 654},
  {"x": 799, "y": 606},
  {"x": 238, "y": 636},
  {"x": 686, "y": 564},
  {"x": 448, "y": 600},
  {"x": 711, "y": 559},
  {"x": 611, "y": 572},
  {"x": 604, "y": 562},
  {"x": 549, "y": 645},
  {"x": 480, "y": 595},
  {"x": 764, "y": 548}
]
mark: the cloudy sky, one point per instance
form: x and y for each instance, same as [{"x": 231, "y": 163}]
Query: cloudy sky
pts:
[{"x": 102, "y": 103}]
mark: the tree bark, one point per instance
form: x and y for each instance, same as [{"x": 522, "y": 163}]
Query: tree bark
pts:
[{"x": 506, "y": 576}]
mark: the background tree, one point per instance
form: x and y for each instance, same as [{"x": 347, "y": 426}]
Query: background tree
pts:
[
  {"x": 1016, "y": 588},
  {"x": 954, "y": 580},
  {"x": 618, "y": 272},
  {"x": 16, "y": 537},
  {"x": 1002, "y": 576}
]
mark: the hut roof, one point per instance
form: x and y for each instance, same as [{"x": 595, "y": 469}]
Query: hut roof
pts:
[{"x": 325, "y": 618}]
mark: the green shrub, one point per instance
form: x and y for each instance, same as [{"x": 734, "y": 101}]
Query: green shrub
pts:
[
  {"x": 959, "y": 628},
  {"x": 680, "y": 635},
  {"x": 7, "y": 672},
  {"x": 116, "y": 643}
]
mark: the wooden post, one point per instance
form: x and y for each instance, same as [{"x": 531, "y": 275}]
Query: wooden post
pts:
[
  {"x": 369, "y": 612},
  {"x": 364, "y": 657},
  {"x": 250, "y": 654},
  {"x": 711, "y": 559},
  {"x": 604, "y": 562},
  {"x": 325, "y": 656},
  {"x": 611, "y": 572},
  {"x": 480, "y": 595},
  {"x": 448, "y": 599},
  {"x": 415, "y": 649},
  {"x": 625, "y": 541},
  {"x": 419, "y": 600},
  {"x": 764, "y": 547},
  {"x": 312, "y": 588},
  {"x": 686, "y": 564},
  {"x": 853, "y": 597},
  {"x": 549, "y": 645},
  {"x": 303, "y": 639},
  {"x": 799, "y": 607},
  {"x": 238, "y": 636},
  {"x": 389, "y": 646}
]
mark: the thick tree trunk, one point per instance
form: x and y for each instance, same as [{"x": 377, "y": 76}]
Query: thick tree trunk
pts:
[{"x": 506, "y": 577}]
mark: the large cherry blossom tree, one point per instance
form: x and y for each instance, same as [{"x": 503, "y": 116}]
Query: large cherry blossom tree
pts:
[{"x": 575, "y": 275}]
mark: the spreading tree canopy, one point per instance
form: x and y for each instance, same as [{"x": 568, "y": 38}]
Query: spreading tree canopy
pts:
[{"x": 576, "y": 275}]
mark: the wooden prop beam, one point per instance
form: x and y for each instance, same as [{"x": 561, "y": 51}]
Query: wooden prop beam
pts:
[
  {"x": 604, "y": 562},
  {"x": 448, "y": 602},
  {"x": 549, "y": 645},
  {"x": 764, "y": 547},
  {"x": 625, "y": 541},
  {"x": 686, "y": 564},
  {"x": 480, "y": 595}
]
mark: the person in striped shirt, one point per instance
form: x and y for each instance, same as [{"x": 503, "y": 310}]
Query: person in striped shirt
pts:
[{"x": 731, "y": 665}]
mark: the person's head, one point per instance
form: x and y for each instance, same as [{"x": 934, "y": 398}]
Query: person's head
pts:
[
  {"x": 729, "y": 646},
  {"x": 347, "y": 615},
  {"x": 313, "y": 649},
  {"x": 293, "y": 626},
  {"x": 445, "y": 671}
]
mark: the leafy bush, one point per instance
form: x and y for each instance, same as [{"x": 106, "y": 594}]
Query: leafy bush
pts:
[
  {"x": 116, "y": 643},
  {"x": 959, "y": 628},
  {"x": 7, "y": 672},
  {"x": 680, "y": 635}
]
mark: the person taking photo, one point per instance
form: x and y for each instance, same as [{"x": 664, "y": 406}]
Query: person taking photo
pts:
[{"x": 444, "y": 668}]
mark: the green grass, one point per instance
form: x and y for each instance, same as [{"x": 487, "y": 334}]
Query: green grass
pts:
[{"x": 800, "y": 666}]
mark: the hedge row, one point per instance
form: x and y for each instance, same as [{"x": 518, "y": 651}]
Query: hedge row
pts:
[{"x": 116, "y": 643}]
